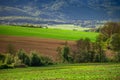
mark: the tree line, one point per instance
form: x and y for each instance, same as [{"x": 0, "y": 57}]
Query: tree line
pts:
[
  {"x": 20, "y": 58},
  {"x": 87, "y": 51}
]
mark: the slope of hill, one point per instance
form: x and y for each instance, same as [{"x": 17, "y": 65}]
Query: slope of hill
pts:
[{"x": 46, "y": 33}]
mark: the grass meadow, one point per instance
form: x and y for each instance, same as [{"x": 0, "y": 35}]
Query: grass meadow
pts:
[
  {"x": 83, "y": 71},
  {"x": 46, "y": 33},
  {"x": 68, "y": 27}
]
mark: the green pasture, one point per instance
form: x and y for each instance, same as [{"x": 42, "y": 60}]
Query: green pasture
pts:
[
  {"x": 46, "y": 33},
  {"x": 68, "y": 27},
  {"x": 83, "y": 71}
]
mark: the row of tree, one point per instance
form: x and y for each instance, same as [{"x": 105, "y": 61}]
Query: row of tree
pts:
[
  {"x": 87, "y": 51},
  {"x": 22, "y": 59}
]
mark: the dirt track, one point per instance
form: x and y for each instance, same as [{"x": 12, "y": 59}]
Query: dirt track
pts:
[{"x": 44, "y": 46}]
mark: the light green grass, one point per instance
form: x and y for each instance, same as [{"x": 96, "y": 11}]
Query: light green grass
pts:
[
  {"x": 91, "y": 71},
  {"x": 46, "y": 33},
  {"x": 68, "y": 27}
]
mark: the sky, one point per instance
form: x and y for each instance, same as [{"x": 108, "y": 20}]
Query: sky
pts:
[{"x": 62, "y": 9}]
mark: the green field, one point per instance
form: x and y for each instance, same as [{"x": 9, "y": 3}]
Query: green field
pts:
[
  {"x": 46, "y": 33},
  {"x": 83, "y": 71},
  {"x": 67, "y": 27}
]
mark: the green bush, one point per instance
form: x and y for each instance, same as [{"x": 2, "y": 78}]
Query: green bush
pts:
[
  {"x": 2, "y": 58},
  {"x": 65, "y": 53},
  {"x": 46, "y": 60},
  {"x": 9, "y": 59},
  {"x": 6, "y": 66},
  {"x": 35, "y": 60},
  {"x": 20, "y": 66},
  {"x": 23, "y": 57},
  {"x": 117, "y": 57}
]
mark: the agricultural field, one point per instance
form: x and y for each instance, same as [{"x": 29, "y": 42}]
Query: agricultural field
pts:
[
  {"x": 83, "y": 71},
  {"x": 46, "y": 33},
  {"x": 68, "y": 27}
]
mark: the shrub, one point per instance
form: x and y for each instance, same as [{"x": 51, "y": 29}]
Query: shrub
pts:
[
  {"x": 46, "y": 60},
  {"x": 9, "y": 59},
  {"x": 65, "y": 53},
  {"x": 18, "y": 63},
  {"x": 117, "y": 57},
  {"x": 23, "y": 57},
  {"x": 20, "y": 66},
  {"x": 2, "y": 58},
  {"x": 35, "y": 60},
  {"x": 6, "y": 66}
]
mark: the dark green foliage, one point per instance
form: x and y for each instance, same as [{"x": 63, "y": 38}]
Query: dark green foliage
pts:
[
  {"x": 109, "y": 29},
  {"x": 109, "y": 38},
  {"x": 23, "y": 57},
  {"x": 22, "y": 60},
  {"x": 100, "y": 57},
  {"x": 83, "y": 53},
  {"x": 117, "y": 57},
  {"x": 35, "y": 60},
  {"x": 88, "y": 51},
  {"x": 108, "y": 32},
  {"x": 46, "y": 60},
  {"x": 65, "y": 53},
  {"x": 20, "y": 66},
  {"x": 97, "y": 58},
  {"x": 91, "y": 56},
  {"x": 115, "y": 42},
  {"x": 83, "y": 45},
  {"x": 2, "y": 58},
  {"x": 9, "y": 59},
  {"x": 6, "y": 66}
]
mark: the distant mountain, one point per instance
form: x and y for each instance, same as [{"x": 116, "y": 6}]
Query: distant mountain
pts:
[{"x": 58, "y": 10}]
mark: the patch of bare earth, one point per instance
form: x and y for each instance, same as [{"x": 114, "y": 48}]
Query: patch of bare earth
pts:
[{"x": 43, "y": 46}]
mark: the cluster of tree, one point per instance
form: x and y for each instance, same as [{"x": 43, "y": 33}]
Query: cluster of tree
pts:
[
  {"x": 87, "y": 51},
  {"x": 22, "y": 59},
  {"x": 34, "y": 26}
]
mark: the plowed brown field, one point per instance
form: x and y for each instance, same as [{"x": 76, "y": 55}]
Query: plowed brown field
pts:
[{"x": 43, "y": 46}]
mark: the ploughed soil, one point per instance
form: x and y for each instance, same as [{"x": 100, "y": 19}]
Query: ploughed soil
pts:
[{"x": 43, "y": 46}]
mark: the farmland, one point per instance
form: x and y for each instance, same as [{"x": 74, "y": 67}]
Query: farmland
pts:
[
  {"x": 44, "y": 46},
  {"x": 83, "y": 71},
  {"x": 46, "y": 33},
  {"x": 68, "y": 27}
]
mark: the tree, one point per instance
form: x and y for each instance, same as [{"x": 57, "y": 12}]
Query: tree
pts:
[
  {"x": 59, "y": 50},
  {"x": 115, "y": 42},
  {"x": 85, "y": 51},
  {"x": 23, "y": 57},
  {"x": 83, "y": 45},
  {"x": 35, "y": 60},
  {"x": 11, "y": 49},
  {"x": 107, "y": 31},
  {"x": 65, "y": 53}
]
